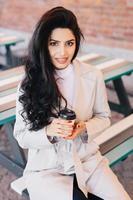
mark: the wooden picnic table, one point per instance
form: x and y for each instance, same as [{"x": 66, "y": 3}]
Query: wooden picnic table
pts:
[
  {"x": 113, "y": 70},
  {"x": 7, "y": 41}
]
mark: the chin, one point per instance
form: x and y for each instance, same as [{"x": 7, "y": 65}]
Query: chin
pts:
[{"x": 61, "y": 66}]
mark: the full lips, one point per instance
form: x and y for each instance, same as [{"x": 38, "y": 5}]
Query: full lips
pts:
[{"x": 61, "y": 60}]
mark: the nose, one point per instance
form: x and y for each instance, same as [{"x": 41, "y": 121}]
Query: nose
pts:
[{"x": 62, "y": 50}]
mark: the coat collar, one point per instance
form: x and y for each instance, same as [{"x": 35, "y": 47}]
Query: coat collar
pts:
[
  {"x": 81, "y": 68},
  {"x": 81, "y": 88}
]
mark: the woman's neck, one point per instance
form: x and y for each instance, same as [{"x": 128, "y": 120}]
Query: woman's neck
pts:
[{"x": 65, "y": 71}]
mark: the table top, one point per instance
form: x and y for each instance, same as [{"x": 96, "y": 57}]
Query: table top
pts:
[{"x": 7, "y": 40}]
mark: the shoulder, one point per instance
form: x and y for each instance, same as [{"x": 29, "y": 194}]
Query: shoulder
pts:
[{"x": 87, "y": 70}]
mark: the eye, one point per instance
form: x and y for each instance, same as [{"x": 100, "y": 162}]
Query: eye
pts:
[
  {"x": 69, "y": 43},
  {"x": 53, "y": 43}
]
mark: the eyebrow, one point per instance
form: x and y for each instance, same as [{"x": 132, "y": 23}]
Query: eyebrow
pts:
[{"x": 60, "y": 41}]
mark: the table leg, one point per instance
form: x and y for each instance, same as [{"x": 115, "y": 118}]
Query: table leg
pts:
[
  {"x": 9, "y": 61},
  {"x": 126, "y": 108}
]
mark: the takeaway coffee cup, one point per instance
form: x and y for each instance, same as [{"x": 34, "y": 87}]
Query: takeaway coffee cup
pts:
[{"x": 67, "y": 114}]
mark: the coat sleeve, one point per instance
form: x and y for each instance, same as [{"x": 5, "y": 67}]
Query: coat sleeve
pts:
[
  {"x": 101, "y": 111},
  {"x": 28, "y": 139}
]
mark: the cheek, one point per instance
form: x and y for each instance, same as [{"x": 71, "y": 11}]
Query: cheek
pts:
[
  {"x": 72, "y": 51},
  {"x": 51, "y": 51}
]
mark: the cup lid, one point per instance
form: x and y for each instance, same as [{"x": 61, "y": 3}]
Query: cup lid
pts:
[{"x": 67, "y": 114}]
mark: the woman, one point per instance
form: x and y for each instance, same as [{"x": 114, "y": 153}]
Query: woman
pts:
[{"x": 54, "y": 80}]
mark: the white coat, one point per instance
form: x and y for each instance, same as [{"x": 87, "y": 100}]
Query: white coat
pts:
[{"x": 48, "y": 162}]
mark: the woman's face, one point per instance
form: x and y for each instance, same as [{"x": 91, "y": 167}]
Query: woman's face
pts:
[{"x": 61, "y": 46}]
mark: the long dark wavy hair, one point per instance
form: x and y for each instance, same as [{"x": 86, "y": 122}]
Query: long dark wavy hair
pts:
[{"x": 41, "y": 98}]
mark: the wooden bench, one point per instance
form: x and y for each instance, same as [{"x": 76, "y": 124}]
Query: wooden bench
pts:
[{"x": 116, "y": 143}]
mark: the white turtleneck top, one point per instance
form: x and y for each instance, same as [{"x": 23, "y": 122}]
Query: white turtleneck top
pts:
[{"x": 65, "y": 81}]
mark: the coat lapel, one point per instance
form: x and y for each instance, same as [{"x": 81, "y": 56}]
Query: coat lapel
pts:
[{"x": 82, "y": 86}]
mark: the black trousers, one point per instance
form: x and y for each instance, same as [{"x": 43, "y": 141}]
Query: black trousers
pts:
[{"x": 79, "y": 195}]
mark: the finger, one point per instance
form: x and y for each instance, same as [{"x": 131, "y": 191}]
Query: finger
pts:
[
  {"x": 65, "y": 122},
  {"x": 67, "y": 133},
  {"x": 60, "y": 126},
  {"x": 75, "y": 133},
  {"x": 56, "y": 121},
  {"x": 63, "y": 129},
  {"x": 63, "y": 132},
  {"x": 72, "y": 136},
  {"x": 65, "y": 125}
]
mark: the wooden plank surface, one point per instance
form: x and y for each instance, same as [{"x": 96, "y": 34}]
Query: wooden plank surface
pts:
[
  {"x": 7, "y": 102},
  {"x": 120, "y": 152},
  {"x": 111, "y": 65},
  {"x": 5, "y": 40},
  {"x": 10, "y": 82},
  {"x": 11, "y": 72},
  {"x": 7, "y": 116},
  {"x": 8, "y": 91},
  {"x": 118, "y": 72},
  {"x": 89, "y": 57},
  {"x": 115, "y": 129},
  {"x": 115, "y": 134}
]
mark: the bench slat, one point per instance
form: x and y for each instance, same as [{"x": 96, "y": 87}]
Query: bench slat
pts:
[
  {"x": 115, "y": 129},
  {"x": 8, "y": 91},
  {"x": 120, "y": 152},
  {"x": 110, "y": 65},
  {"x": 9, "y": 40},
  {"x": 7, "y": 116},
  {"x": 99, "y": 60},
  {"x": 88, "y": 57},
  {"x": 7, "y": 102},
  {"x": 118, "y": 72},
  {"x": 10, "y": 82},
  {"x": 11, "y": 72}
]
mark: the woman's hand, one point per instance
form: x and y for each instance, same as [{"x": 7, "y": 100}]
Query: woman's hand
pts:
[
  {"x": 80, "y": 127},
  {"x": 60, "y": 128}
]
